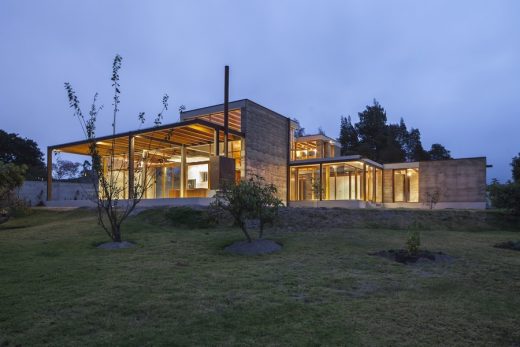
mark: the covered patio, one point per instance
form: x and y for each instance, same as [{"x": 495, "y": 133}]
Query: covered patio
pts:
[{"x": 181, "y": 160}]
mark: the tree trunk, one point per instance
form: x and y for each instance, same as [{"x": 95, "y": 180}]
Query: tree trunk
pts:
[
  {"x": 244, "y": 229},
  {"x": 116, "y": 232},
  {"x": 261, "y": 233}
]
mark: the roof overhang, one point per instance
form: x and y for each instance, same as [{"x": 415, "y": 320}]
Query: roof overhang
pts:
[{"x": 192, "y": 132}]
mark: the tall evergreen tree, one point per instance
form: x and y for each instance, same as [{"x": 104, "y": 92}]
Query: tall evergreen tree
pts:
[
  {"x": 371, "y": 129},
  {"x": 414, "y": 148},
  {"x": 348, "y": 137}
]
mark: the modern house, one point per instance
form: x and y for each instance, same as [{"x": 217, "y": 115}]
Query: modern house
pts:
[{"x": 190, "y": 159}]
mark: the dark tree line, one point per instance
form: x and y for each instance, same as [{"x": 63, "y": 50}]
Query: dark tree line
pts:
[{"x": 374, "y": 138}]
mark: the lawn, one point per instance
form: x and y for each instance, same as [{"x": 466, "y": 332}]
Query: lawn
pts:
[{"x": 178, "y": 287}]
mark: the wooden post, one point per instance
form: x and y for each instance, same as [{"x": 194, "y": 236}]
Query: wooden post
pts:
[
  {"x": 216, "y": 142},
  {"x": 321, "y": 182},
  {"x": 226, "y": 109},
  {"x": 374, "y": 188},
  {"x": 183, "y": 171},
  {"x": 131, "y": 170},
  {"x": 49, "y": 173}
]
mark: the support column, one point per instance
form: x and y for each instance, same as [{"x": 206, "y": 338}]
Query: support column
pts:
[
  {"x": 183, "y": 172},
  {"x": 364, "y": 183},
  {"x": 226, "y": 109},
  {"x": 374, "y": 185},
  {"x": 131, "y": 170},
  {"x": 321, "y": 181},
  {"x": 216, "y": 142},
  {"x": 49, "y": 173}
]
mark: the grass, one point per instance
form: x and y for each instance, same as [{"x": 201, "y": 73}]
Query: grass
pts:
[{"x": 178, "y": 287}]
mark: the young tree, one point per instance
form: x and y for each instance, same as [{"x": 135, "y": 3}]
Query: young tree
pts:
[
  {"x": 22, "y": 151},
  {"x": 348, "y": 137},
  {"x": 112, "y": 212},
  {"x": 248, "y": 199},
  {"x": 438, "y": 152}
]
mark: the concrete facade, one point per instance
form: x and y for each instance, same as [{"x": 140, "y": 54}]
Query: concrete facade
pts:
[
  {"x": 457, "y": 180},
  {"x": 266, "y": 145}
]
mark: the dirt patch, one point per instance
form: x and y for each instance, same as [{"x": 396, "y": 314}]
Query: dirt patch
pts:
[
  {"x": 405, "y": 257},
  {"x": 116, "y": 245},
  {"x": 514, "y": 245},
  {"x": 256, "y": 247}
]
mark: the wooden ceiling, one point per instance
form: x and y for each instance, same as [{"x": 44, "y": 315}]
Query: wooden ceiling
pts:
[
  {"x": 163, "y": 138},
  {"x": 234, "y": 119}
]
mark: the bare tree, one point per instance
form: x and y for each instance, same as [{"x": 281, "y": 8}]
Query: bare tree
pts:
[{"x": 113, "y": 206}]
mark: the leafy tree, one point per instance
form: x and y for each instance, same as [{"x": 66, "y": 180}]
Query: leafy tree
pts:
[
  {"x": 22, "y": 151},
  {"x": 248, "y": 199},
  {"x": 65, "y": 169},
  {"x": 438, "y": 152},
  {"x": 515, "y": 164},
  {"x": 506, "y": 196},
  {"x": 12, "y": 176},
  {"x": 112, "y": 212},
  {"x": 348, "y": 137}
]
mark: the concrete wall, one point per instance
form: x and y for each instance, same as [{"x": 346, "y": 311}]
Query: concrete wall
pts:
[
  {"x": 145, "y": 203},
  {"x": 35, "y": 191},
  {"x": 328, "y": 203},
  {"x": 266, "y": 145},
  {"x": 438, "y": 206},
  {"x": 458, "y": 180}
]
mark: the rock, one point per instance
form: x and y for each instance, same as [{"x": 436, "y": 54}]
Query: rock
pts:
[
  {"x": 116, "y": 245},
  {"x": 255, "y": 247}
]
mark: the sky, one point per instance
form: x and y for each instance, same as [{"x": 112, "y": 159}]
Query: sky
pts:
[{"x": 449, "y": 68}]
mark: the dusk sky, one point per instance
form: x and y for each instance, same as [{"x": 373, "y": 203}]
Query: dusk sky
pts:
[{"x": 449, "y": 68}]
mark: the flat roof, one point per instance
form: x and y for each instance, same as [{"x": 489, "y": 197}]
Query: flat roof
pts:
[{"x": 191, "y": 132}]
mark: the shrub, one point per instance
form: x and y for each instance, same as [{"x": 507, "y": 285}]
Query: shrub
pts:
[
  {"x": 189, "y": 217},
  {"x": 506, "y": 196},
  {"x": 413, "y": 242}
]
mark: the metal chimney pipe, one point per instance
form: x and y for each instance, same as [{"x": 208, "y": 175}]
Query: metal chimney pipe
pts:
[{"x": 226, "y": 109}]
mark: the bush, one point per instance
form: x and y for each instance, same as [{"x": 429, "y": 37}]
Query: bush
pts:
[
  {"x": 506, "y": 196},
  {"x": 413, "y": 242},
  {"x": 188, "y": 217}
]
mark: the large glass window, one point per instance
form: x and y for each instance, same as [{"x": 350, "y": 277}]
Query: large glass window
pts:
[
  {"x": 406, "y": 185},
  {"x": 305, "y": 183},
  {"x": 342, "y": 181}
]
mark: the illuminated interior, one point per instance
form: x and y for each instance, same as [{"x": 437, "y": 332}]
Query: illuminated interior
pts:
[
  {"x": 406, "y": 185},
  {"x": 351, "y": 180}
]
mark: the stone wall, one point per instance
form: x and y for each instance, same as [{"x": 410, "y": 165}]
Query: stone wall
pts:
[
  {"x": 35, "y": 192},
  {"x": 458, "y": 180},
  {"x": 266, "y": 145}
]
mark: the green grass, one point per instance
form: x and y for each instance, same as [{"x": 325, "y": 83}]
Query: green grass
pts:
[{"x": 178, "y": 287}]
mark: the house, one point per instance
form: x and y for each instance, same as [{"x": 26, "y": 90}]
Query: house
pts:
[{"x": 188, "y": 160}]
